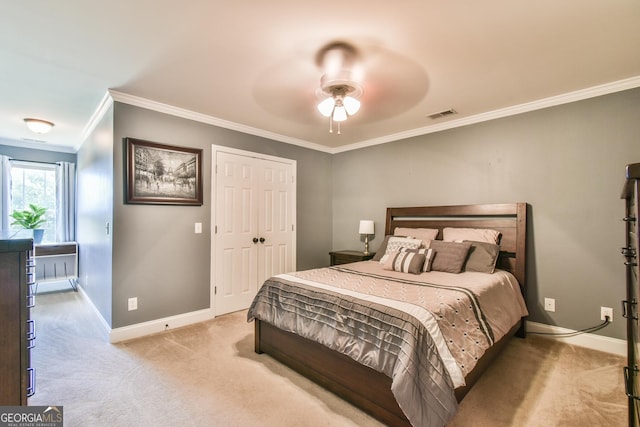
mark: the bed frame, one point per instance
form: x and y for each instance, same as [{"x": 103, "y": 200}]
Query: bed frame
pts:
[{"x": 366, "y": 388}]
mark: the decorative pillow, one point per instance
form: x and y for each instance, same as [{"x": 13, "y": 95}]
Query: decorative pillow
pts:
[
  {"x": 482, "y": 257},
  {"x": 449, "y": 256},
  {"x": 450, "y": 234},
  {"x": 406, "y": 262},
  {"x": 424, "y": 234},
  {"x": 428, "y": 256},
  {"x": 395, "y": 243},
  {"x": 381, "y": 249}
]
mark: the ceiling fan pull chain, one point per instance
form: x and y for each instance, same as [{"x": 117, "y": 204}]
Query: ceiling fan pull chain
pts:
[{"x": 331, "y": 124}]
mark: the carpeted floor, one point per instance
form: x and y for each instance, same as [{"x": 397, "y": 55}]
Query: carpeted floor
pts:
[{"x": 208, "y": 375}]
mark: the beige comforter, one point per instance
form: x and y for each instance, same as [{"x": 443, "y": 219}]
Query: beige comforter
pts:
[{"x": 425, "y": 331}]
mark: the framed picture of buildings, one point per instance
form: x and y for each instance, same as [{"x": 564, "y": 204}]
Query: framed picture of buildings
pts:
[{"x": 160, "y": 174}]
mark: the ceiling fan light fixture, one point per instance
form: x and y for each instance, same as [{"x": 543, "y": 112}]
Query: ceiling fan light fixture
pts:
[
  {"x": 326, "y": 106},
  {"x": 341, "y": 100},
  {"x": 339, "y": 113},
  {"x": 38, "y": 125},
  {"x": 340, "y": 85},
  {"x": 351, "y": 104}
]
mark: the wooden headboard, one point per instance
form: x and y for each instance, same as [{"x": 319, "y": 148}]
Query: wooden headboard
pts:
[{"x": 509, "y": 219}]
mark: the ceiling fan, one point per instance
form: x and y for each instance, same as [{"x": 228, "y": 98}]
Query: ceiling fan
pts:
[
  {"x": 340, "y": 84},
  {"x": 385, "y": 83}
]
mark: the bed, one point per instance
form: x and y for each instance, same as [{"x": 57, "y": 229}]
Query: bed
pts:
[{"x": 340, "y": 326}]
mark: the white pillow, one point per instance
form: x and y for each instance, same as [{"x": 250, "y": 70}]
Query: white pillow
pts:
[
  {"x": 451, "y": 234},
  {"x": 395, "y": 243}
]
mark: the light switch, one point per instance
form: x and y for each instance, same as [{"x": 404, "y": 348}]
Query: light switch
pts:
[{"x": 198, "y": 227}]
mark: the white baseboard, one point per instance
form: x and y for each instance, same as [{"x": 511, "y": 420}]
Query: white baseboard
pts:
[
  {"x": 592, "y": 341},
  {"x": 151, "y": 327},
  {"x": 88, "y": 300},
  {"x": 159, "y": 325}
]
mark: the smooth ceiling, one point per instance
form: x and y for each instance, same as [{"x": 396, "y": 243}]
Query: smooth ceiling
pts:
[{"x": 250, "y": 65}]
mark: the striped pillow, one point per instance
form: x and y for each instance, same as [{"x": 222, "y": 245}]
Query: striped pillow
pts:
[
  {"x": 395, "y": 243},
  {"x": 428, "y": 255},
  {"x": 406, "y": 262}
]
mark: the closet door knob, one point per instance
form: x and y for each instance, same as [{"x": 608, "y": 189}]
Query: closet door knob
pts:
[
  {"x": 262, "y": 240},
  {"x": 255, "y": 240}
]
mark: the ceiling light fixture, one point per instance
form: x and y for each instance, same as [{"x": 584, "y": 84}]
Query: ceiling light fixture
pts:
[
  {"x": 339, "y": 88},
  {"x": 38, "y": 125},
  {"x": 342, "y": 100}
]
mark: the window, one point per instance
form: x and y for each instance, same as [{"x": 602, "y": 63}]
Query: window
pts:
[{"x": 35, "y": 183}]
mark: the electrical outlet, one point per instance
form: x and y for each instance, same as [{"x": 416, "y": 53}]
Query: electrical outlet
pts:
[
  {"x": 606, "y": 311},
  {"x": 133, "y": 304},
  {"x": 550, "y": 304}
]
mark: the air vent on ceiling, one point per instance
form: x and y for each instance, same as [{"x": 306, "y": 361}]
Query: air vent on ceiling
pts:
[
  {"x": 34, "y": 140},
  {"x": 440, "y": 114}
]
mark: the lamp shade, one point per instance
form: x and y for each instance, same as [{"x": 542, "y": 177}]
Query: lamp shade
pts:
[{"x": 366, "y": 227}]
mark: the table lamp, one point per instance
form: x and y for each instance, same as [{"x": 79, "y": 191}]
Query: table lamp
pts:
[{"x": 366, "y": 228}]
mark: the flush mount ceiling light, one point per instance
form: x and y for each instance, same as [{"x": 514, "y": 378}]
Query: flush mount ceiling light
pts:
[
  {"x": 338, "y": 86},
  {"x": 38, "y": 125}
]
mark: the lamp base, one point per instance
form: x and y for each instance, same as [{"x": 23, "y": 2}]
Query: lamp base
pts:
[{"x": 366, "y": 244}]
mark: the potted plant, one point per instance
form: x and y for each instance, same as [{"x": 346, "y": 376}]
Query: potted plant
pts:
[{"x": 31, "y": 219}]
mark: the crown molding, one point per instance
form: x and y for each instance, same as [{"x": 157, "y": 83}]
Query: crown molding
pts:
[
  {"x": 203, "y": 118},
  {"x": 579, "y": 95},
  {"x": 37, "y": 145},
  {"x": 105, "y": 103}
]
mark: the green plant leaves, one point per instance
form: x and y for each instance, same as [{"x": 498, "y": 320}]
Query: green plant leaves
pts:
[{"x": 29, "y": 218}]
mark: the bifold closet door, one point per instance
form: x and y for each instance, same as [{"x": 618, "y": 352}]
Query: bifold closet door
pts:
[
  {"x": 275, "y": 222},
  {"x": 254, "y": 232}
]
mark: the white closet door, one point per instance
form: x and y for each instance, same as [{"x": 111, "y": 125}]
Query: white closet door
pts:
[
  {"x": 275, "y": 222},
  {"x": 237, "y": 225},
  {"x": 254, "y": 226}
]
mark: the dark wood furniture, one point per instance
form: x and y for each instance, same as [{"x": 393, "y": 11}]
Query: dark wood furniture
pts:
[
  {"x": 17, "y": 330},
  {"x": 368, "y": 389},
  {"x": 630, "y": 305},
  {"x": 345, "y": 257}
]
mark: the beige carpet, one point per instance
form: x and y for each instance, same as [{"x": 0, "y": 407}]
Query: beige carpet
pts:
[{"x": 208, "y": 375}]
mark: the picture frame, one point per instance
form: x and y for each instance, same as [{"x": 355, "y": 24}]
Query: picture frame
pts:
[{"x": 160, "y": 174}]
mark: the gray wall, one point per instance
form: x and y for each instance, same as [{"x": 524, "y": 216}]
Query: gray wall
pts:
[
  {"x": 567, "y": 162},
  {"x": 156, "y": 255},
  {"x": 36, "y": 155},
  {"x": 94, "y": 212}
]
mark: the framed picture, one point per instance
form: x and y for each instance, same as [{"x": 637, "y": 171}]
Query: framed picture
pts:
[{"x": 159, "y": 174}]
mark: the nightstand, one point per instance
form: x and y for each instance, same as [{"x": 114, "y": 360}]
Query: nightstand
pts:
[{"x": 345, "y": 257}]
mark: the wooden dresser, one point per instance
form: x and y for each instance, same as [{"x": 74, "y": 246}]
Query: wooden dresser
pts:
[
  {"x": 630, "y": 305},
  {"x": 17, "y": 330}
]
